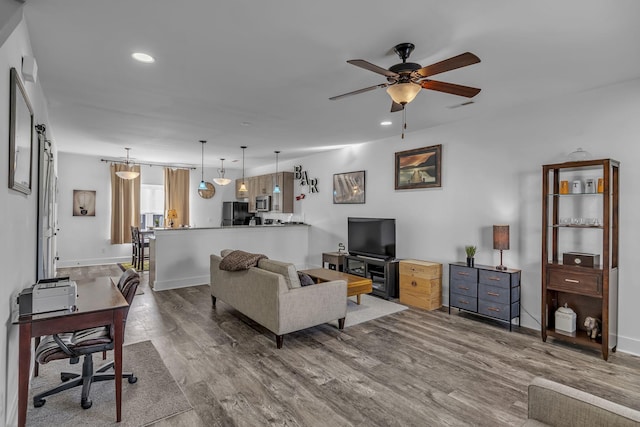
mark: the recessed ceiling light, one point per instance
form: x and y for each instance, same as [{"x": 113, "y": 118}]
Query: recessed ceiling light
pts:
[
  {"x": 143, "y": 57},
  {"x": 385, "y": 123}
]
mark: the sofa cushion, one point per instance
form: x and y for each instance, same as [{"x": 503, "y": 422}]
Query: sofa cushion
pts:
[
  {"x": 286, "y": 269},
  {"x": 225, "y": 252},
  {"x": 240, "y": 260},
  {"x": 305, "y": 279}
]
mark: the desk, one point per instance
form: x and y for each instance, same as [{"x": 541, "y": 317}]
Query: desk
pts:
[
  {"x": 99, "y": 303},
  {"x": 356, "y": 285}
]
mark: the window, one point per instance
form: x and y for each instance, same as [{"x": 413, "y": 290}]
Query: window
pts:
[{"x": 151, "y": 205}]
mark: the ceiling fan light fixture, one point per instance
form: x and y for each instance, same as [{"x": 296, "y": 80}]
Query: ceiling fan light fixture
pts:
[{"x": 403, "y": 93}]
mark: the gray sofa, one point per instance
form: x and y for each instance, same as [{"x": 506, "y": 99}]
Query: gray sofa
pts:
[
  {"x": 271, "y": 295},
  {"x": 553, "y": 404}
]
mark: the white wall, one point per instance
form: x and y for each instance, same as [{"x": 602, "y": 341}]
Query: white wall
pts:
[
  {"x": 491, "y": 175},
  {"x": 18, "y": 248},
  {"x": 86, "y": 240}
]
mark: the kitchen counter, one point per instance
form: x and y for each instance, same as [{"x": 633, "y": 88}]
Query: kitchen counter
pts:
[
  {"x": 179, "y": 257},
  {"x": 232, "y": 226}
]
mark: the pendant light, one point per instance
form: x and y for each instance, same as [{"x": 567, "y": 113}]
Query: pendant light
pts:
[
  {"x": 276, "y": 189},
  {"x": 221, "y": 180},
  {"x": 203, "y": 185},
  {"x": 243, "y": 186},
  {"x": 128, "y": 173}
]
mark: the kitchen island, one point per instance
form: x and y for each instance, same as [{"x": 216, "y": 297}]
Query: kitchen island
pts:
[{"x": 179, "y": 257}]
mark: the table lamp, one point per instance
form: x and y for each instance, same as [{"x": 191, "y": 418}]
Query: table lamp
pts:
[
  {"x": 171, "y": 215},
  {"x": 501, "y": 241}
]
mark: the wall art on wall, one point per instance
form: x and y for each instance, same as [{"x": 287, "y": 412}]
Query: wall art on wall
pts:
[
  {"x": 20, "y": 136},
  {"x": 348, "y": 187},
  {"x": 419, "y": 168},
  {"x": 84, "y": 203}
]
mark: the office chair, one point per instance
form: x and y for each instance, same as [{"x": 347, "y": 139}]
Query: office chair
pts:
[{"x": 85, "y": 342}]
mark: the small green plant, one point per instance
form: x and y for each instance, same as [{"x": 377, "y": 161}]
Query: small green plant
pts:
[{"x": 470, "y": 250}]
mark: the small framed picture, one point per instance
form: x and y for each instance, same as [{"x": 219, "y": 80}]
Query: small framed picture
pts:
[
  {"x": 84, "y": 203},
  {"x": 419, "y": 168},
  {"x": 348, "y": 187}
]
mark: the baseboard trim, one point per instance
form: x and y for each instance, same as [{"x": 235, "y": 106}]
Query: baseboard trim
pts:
[
  {"x": 180, "y": 283},
  {"x": 628, "y": 345},
  {"x": 91, "y": 262}
]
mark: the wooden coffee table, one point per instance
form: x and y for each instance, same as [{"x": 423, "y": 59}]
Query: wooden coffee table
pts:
[{"x": 356, "y": 285}]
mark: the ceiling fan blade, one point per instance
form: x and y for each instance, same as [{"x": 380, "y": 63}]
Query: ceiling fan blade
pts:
[
  {"x": 459, "y": 61},
  {"x": 451, "y": 88},
  {"x": 355, "y": 92},
  {"x": 372, "y": 67},
  {"x": 396, "y": 107}
]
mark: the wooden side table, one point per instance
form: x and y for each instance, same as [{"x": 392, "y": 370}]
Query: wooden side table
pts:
[
  {"x": 334, "y": 259},
  {"x": 421, "y": 284}
]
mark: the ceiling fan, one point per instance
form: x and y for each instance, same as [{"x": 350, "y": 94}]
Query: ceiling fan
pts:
[{"x": 405, "y": 80}]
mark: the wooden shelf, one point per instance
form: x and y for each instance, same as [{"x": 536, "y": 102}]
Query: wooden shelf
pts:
[
  {"x": 578, "y": 337},
  {"x": 590, "y": 292}
]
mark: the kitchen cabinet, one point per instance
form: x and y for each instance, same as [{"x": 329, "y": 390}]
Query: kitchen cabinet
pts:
[{"x": 262, "y": 185}]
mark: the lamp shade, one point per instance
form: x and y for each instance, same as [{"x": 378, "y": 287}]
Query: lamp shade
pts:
[
  {"x": 403, "y": 93},
  {"x": 202, "y": 186},
  {"x": 128, "y": 174},
  {"x": 501, "y": 237},
  {"x": 221, "y": 180}
]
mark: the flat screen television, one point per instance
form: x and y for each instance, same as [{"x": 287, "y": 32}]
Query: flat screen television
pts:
[{"x": 373, "y": 237}]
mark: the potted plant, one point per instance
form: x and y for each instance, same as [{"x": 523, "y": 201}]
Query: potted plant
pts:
[{"x": 471, "y": 252}]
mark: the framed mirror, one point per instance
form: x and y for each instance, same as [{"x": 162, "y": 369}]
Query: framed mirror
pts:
[{"x": 20, "y": 136}]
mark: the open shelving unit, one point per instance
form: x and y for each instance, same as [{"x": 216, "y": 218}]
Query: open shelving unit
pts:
[{"x": 589, "y": 291}]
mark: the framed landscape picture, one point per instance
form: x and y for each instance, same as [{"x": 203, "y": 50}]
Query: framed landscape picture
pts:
[
  {"x": 348, "y": 187},
  {"x": 419, "y": 168}
]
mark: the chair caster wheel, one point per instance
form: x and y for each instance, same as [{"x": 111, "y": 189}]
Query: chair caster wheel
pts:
[
  {"x": 64, "y": 378},
  {"x": 132, "y": 380},
  {"x": 86, "y": 404},
  {"x": 38, "y": 403}
]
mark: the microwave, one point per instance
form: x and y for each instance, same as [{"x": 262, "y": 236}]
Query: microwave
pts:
[{"x": 263, "y": 203}]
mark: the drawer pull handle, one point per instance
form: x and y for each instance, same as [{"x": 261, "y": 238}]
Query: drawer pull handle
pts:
[
  {"x": 413, "y": 283},
  {"x": 493, "y": 309},
  {"x": 465, "y": 288},
  {"x": 493, "y": 294},
  {"x": 494, "y": 278},
  {"x": 572, "y": 280},
  {"x": 463, "y": 301},
  {"x": 462, "y": 273}
]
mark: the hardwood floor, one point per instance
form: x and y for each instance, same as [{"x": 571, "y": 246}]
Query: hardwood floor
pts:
[{"x": 413, "y": 368}]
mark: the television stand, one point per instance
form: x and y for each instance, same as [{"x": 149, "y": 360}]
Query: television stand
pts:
[{"x": 383, "y": 273}]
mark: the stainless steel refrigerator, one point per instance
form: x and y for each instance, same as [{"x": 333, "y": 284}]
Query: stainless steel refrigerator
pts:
[{"x": 235, "y": 213}]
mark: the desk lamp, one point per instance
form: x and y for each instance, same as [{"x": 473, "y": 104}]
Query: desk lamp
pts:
[
  {"x": 171, "y": 215},
  {"x": 501, "y": 241}
]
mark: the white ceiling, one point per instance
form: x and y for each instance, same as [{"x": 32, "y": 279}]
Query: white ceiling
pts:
[{"x": 259, "y": 73}]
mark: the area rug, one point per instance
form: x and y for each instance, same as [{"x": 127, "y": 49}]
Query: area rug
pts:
[
  {"x": 154, "y": 397},
  {"x": 370, "y": 308},
  {"x": 124, "y": 266}
]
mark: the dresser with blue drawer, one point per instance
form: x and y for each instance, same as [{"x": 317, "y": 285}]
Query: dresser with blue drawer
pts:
[{"x": 485, "y": 290}]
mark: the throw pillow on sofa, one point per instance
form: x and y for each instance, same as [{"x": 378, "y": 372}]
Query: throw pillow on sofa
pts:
[
  {"x": 240, "y": 260},
  {"x": 305, "y": 279}
]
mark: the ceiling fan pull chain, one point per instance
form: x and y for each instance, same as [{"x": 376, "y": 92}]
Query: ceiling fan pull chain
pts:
[{"x": 404, "y": 119}]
